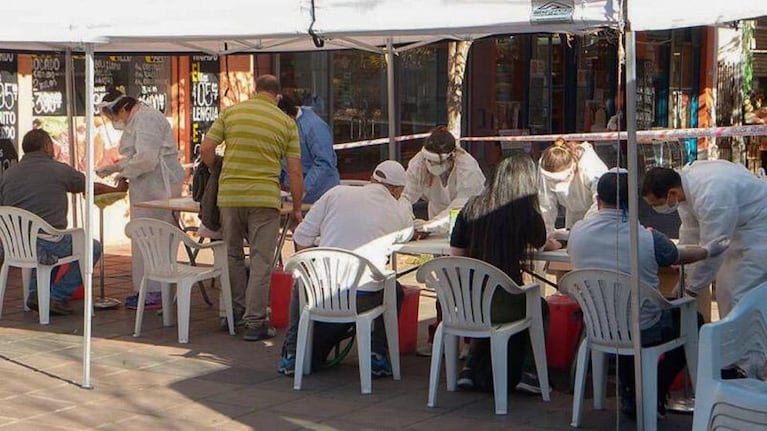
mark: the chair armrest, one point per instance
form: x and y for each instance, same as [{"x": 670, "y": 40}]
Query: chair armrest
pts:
[{"x": 189, "y": 242}]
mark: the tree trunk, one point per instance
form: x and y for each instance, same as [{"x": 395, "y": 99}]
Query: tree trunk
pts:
[{"x": 457, "y": 54}]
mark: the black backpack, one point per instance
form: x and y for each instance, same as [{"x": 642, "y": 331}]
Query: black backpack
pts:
[{"x": 200, "y": 177}]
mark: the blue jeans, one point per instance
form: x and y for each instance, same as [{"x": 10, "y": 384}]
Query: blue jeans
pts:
[{"x": 62, "y": 290}]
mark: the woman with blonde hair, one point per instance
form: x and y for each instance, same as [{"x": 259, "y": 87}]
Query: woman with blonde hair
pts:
[{"x": 569, "y": 172}]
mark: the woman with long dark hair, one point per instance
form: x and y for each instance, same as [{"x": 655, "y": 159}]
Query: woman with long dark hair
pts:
[{"x": 502, "y": 226}]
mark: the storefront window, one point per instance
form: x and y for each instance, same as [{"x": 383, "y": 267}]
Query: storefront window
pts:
[
  {"x": 422, "y": 91},
  {"x": 305, "y": 76},
  {"x": 359, "y": 109}
]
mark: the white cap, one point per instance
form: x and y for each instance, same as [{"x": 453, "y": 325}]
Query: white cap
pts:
[{"x": 390, "y": 172}]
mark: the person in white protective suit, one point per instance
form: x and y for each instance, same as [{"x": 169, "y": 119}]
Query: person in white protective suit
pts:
[
  {"x": 569, "y": 173},
  {"x": 715, "y": 198},
  {"x": 444, "y": 175},
  {"x": 149, "y": 159}
]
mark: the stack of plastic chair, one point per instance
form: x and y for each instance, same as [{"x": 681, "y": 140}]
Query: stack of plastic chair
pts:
[
  {"x": 739, "y": 339},
  {"x": 19, "y": 232},
  {"x": 465, "y": 290},
  {"x": 159, "y": 243},
  {"x": 605, "y": 300},
  {"x": 328, "y": 279}
]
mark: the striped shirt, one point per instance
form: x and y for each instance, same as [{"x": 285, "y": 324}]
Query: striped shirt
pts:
[{"x": 258, "y": 136}]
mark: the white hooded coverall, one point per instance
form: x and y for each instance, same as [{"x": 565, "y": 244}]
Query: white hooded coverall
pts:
[
  {"x": 465, "y": 180},
  {"x": 150, "y": 161},
  {"x": 579, "y": 197},
  {"x": 723, "y": 198}
]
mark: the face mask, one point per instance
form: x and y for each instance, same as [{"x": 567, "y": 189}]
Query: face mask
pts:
[
  {"x": 666, "y": 208},
  {"x": 118, "y": 124},
  {"x": 438, "y": 169}
]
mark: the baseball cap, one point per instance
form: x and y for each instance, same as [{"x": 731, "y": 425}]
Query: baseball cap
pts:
[{"x": 390, "y": 172}]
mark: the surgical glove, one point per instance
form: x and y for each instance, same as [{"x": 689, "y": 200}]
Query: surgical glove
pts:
[
  {"x": 107, "y": 170},
  {"x": 561, "y": 234},
  {"x": 418, "y": 224},
  {"x": 717, "y": 246}
]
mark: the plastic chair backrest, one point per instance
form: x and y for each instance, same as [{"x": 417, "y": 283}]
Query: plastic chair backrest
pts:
[
  {"x": 330, "y": 278},
  {"x": 605, "y": 300},
  {"x": 19, "y": 230},
  {"x": 465, "y": 289},
  {"x": 158, "y": 241},
  {"x": 740, "y": 337}
]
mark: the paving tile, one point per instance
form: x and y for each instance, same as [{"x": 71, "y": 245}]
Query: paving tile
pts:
[
  {"x": 375, "y": 416},
  {"x": 320, "y": 406},
  {"x": 279, "y": 421},
  {"x": 218, "y": 381}
]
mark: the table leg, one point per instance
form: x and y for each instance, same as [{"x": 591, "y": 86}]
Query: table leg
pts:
[{"x": 102, "y": 302}]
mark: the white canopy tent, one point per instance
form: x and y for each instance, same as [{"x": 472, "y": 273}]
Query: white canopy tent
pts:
[{"x": 232, "y": 26}]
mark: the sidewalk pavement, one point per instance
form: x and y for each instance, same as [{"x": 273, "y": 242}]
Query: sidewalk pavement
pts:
[{"x": 222, "y": 382}]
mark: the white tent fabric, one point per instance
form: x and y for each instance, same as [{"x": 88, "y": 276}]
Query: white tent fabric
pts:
[
  {"x": 647, "y": 15},
  {"x": 412, "y": 21}
]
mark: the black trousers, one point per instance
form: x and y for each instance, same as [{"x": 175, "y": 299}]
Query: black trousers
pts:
[{"x": 669, "y": 366}]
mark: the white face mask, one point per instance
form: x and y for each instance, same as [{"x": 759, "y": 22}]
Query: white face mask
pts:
[
  {"x": 666, "y": 208},
  {"x": 438, "y": 169},
  {"x": 118, "y": 124}
]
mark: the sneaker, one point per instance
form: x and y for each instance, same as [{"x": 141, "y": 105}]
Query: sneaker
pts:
[
  {"x": 380, "y": 365},
  {"x": 287, "y": 365},
  {"x": 57, "y": 308},
  {"x": 466, "y": 379},
  {"x": 153, "y": 301},
  {"x": 258, "y": 332},
  {"x": 529, "y": 383}
]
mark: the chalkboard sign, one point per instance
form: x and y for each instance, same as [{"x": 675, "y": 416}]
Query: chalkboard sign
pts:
[
  {"x": 48, "y": 85},
  {"x": 9, "y": 108},
  {"x": 150, "y": 81},
  {"x": 205, "y": 98},
  {"x": 108, "y": 71}
]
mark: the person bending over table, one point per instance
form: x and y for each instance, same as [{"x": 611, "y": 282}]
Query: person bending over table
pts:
[
  {"x": 443, "y": 174},
  {"x": 367, "y": 220},
  {"x": 39, "y": 184},
  {"x": 602, "y": 241},
  {"x": 501, "y": 226}
]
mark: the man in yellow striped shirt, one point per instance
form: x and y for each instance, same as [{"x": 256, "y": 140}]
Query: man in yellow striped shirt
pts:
[{"x": 258, "y": 135}]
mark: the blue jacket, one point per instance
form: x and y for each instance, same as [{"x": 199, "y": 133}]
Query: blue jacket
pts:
[{"x": 318, "y": 159}]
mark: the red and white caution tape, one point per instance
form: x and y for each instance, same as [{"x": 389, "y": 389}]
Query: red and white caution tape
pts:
[
  {"x": 642, "y": 135},
  {"x": 378, "y": 141}
]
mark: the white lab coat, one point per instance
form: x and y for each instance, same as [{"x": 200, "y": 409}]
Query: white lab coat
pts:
[
  {"x": 723, "y": 198},
  {"x": 465, "y": 180},
  {"x": 150, "y": 162},
  {"x": 580, "y": 198}
]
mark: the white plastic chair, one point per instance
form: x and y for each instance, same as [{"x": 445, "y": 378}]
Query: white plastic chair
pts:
[
  {"x": 328, "y": 279},
  {"x": 19, "y": 232},
  {"x": 605, "y": 300},
  {"x": 159, "y": 244},
  {"x": 739, "y": 404},
  {"x": 465, "y": 290}
]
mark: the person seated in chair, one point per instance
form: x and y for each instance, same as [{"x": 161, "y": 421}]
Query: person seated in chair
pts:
[
  {"x": 367, "y": 220},
  {"x": 602, "y": 242},
  {"x": 39, "y": 184}
]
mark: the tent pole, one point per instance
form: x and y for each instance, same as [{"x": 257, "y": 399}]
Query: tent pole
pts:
[
  {"x": 88, "y": 216},
  {"x": 632, "y": 165},
  {"x": 69, "y": 71},
  {"x": 391, "y": 108}
]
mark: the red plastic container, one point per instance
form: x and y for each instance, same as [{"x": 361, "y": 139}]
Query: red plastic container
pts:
[
  {"x": 565, "y": 326},
  {"x": 281, "y": 287},
  {"x": 408, "y": 319}
]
